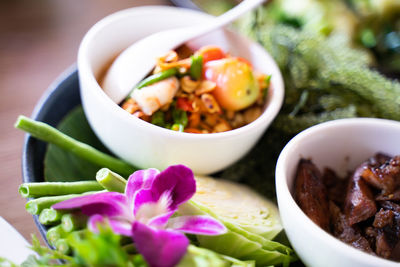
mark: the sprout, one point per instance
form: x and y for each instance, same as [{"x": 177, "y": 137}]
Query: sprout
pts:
[{"x": 251, "y": 220}]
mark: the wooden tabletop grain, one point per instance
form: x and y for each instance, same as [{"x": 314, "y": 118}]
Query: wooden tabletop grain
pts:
[{"x": 38, "y": 41}]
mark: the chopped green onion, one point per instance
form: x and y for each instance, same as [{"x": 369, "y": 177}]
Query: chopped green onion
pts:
[{"x": 196, "y": 67}]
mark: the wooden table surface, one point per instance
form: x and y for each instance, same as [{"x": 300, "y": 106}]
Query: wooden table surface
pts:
[{"x": 38, "y": 41}]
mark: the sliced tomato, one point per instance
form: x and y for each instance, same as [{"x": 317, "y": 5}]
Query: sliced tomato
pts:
[
  {"x": 245, "y": 61},
  {"x": 211, "y": 52},
  {"x": 184, "y": 104}
]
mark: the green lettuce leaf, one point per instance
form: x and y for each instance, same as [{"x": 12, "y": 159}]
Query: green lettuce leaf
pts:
[{"x": 63, "y": 166}]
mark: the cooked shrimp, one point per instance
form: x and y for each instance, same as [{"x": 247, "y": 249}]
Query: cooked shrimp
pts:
[{"x": 153, "y": 97}]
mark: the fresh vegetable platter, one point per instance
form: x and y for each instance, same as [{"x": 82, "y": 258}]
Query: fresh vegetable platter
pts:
[{"x": 53, "y": 166}]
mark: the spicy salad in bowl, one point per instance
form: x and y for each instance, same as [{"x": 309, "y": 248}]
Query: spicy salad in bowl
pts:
[{"x": 219, "y": 146}]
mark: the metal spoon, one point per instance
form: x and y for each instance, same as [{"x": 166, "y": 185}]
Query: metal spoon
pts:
[{"x": 135, "y": 62}]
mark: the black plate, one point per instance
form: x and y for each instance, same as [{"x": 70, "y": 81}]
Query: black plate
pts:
[{"x": 62, "y": 96}]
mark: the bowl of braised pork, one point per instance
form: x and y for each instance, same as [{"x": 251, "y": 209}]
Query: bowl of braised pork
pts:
[{"x": 338, "y": 191}]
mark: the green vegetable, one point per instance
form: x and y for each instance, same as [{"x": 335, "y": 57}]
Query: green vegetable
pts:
[
  {"x": 252, "y": 222},
  {"x": 50, "y": 216},
  {"x": 57, "y": 188},
  {"x": 156, "y": 78},
  {"x": 158, "y": 118},
  {"x": 62, "y": 246},
  {"x": 101, "y": 249},
  {"x": 35, "y": 206},
  {"x": 111, "y": 180},
  {"x": 201, "y": 257},
  {"x": 177, "y": 127},
  {"x": 63, "y": 166},
  {"x": 49, "y": 134},
  {"x": 85, "y": 249},
  {"x": 180, "y": 117},
  {"x": 73, "y": 221},
  {"x": 54, "y": 234},
  {"x": 196, "y": 67}
]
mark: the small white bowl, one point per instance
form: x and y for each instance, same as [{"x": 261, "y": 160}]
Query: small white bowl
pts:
[
  {"x": 341, "y": 145},
  {"x": 146, "y": 145}
]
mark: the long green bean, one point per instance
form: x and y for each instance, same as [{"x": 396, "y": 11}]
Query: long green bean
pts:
[
  {"x": 35, "y": 206},
  {"x": 73, "y": 221},
  {"x": 51, "y": 135},
  {"x": 54, "y": 234},
  {"x": 111, "y": 180},
  {"x": 157, "y": 77},
  {"x": 57, "y": 188},
  {"x": 63, "y": 246},
  {"x": 50, "y": 216}
]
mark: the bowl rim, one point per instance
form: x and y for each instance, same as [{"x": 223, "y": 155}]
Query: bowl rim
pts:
[
  {"x": 57, "y": 89},
  {"x": 270, "y": 112},
  {"x": 284, "y": 194}
]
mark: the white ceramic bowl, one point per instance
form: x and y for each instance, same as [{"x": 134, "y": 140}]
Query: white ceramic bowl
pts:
[
  {"x": 341, "y": 145},
  {"x": 142, "y": 143}
]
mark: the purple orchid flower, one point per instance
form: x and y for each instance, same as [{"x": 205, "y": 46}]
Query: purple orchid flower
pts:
[{"x": 144, "y": 212}]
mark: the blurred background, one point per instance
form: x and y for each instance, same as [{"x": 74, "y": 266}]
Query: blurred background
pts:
[{"x": 38, "y": 41}]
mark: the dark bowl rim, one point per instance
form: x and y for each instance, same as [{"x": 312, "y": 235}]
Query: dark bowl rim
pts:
[{"x": 38, "y": 113}]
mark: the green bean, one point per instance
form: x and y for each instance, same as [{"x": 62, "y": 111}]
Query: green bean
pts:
[
  {"x": 63, "y": 246},
  {"x": 50, "y": 216},
  {"x": 36, "y": 206},
  {"x": 73, "y": 221},
  {"x": 111, "y": 180},
  {"x": 156, "y": 78},
  {"x": 57, "y": 188},
  {"x": 51, "y": 135},
  {"x": 196, "y": 67},
  {"x": 54, "y": 234}
]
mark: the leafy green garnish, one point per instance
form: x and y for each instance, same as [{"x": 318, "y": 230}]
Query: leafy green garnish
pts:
[
  {"x": 60, "y": 165},
  {"x": 89, "y": 249}
]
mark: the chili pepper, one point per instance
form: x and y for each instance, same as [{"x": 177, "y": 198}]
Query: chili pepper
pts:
[{"x": 184, "y": 104}]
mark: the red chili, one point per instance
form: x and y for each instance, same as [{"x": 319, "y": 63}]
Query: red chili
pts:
[{"x": 184, "y": 104}]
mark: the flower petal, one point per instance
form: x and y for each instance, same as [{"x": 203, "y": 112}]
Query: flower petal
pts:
[
  {"x": 160, "y": 248},
  {"x": 138, "y": 180},
  {"x": 104, "y": 203},
  {"x": 160, "y": 221},
  {"x": 198, "y": 225},
  {"x": 179, "y": 181},
  {"x": 119, "y": 227}
]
